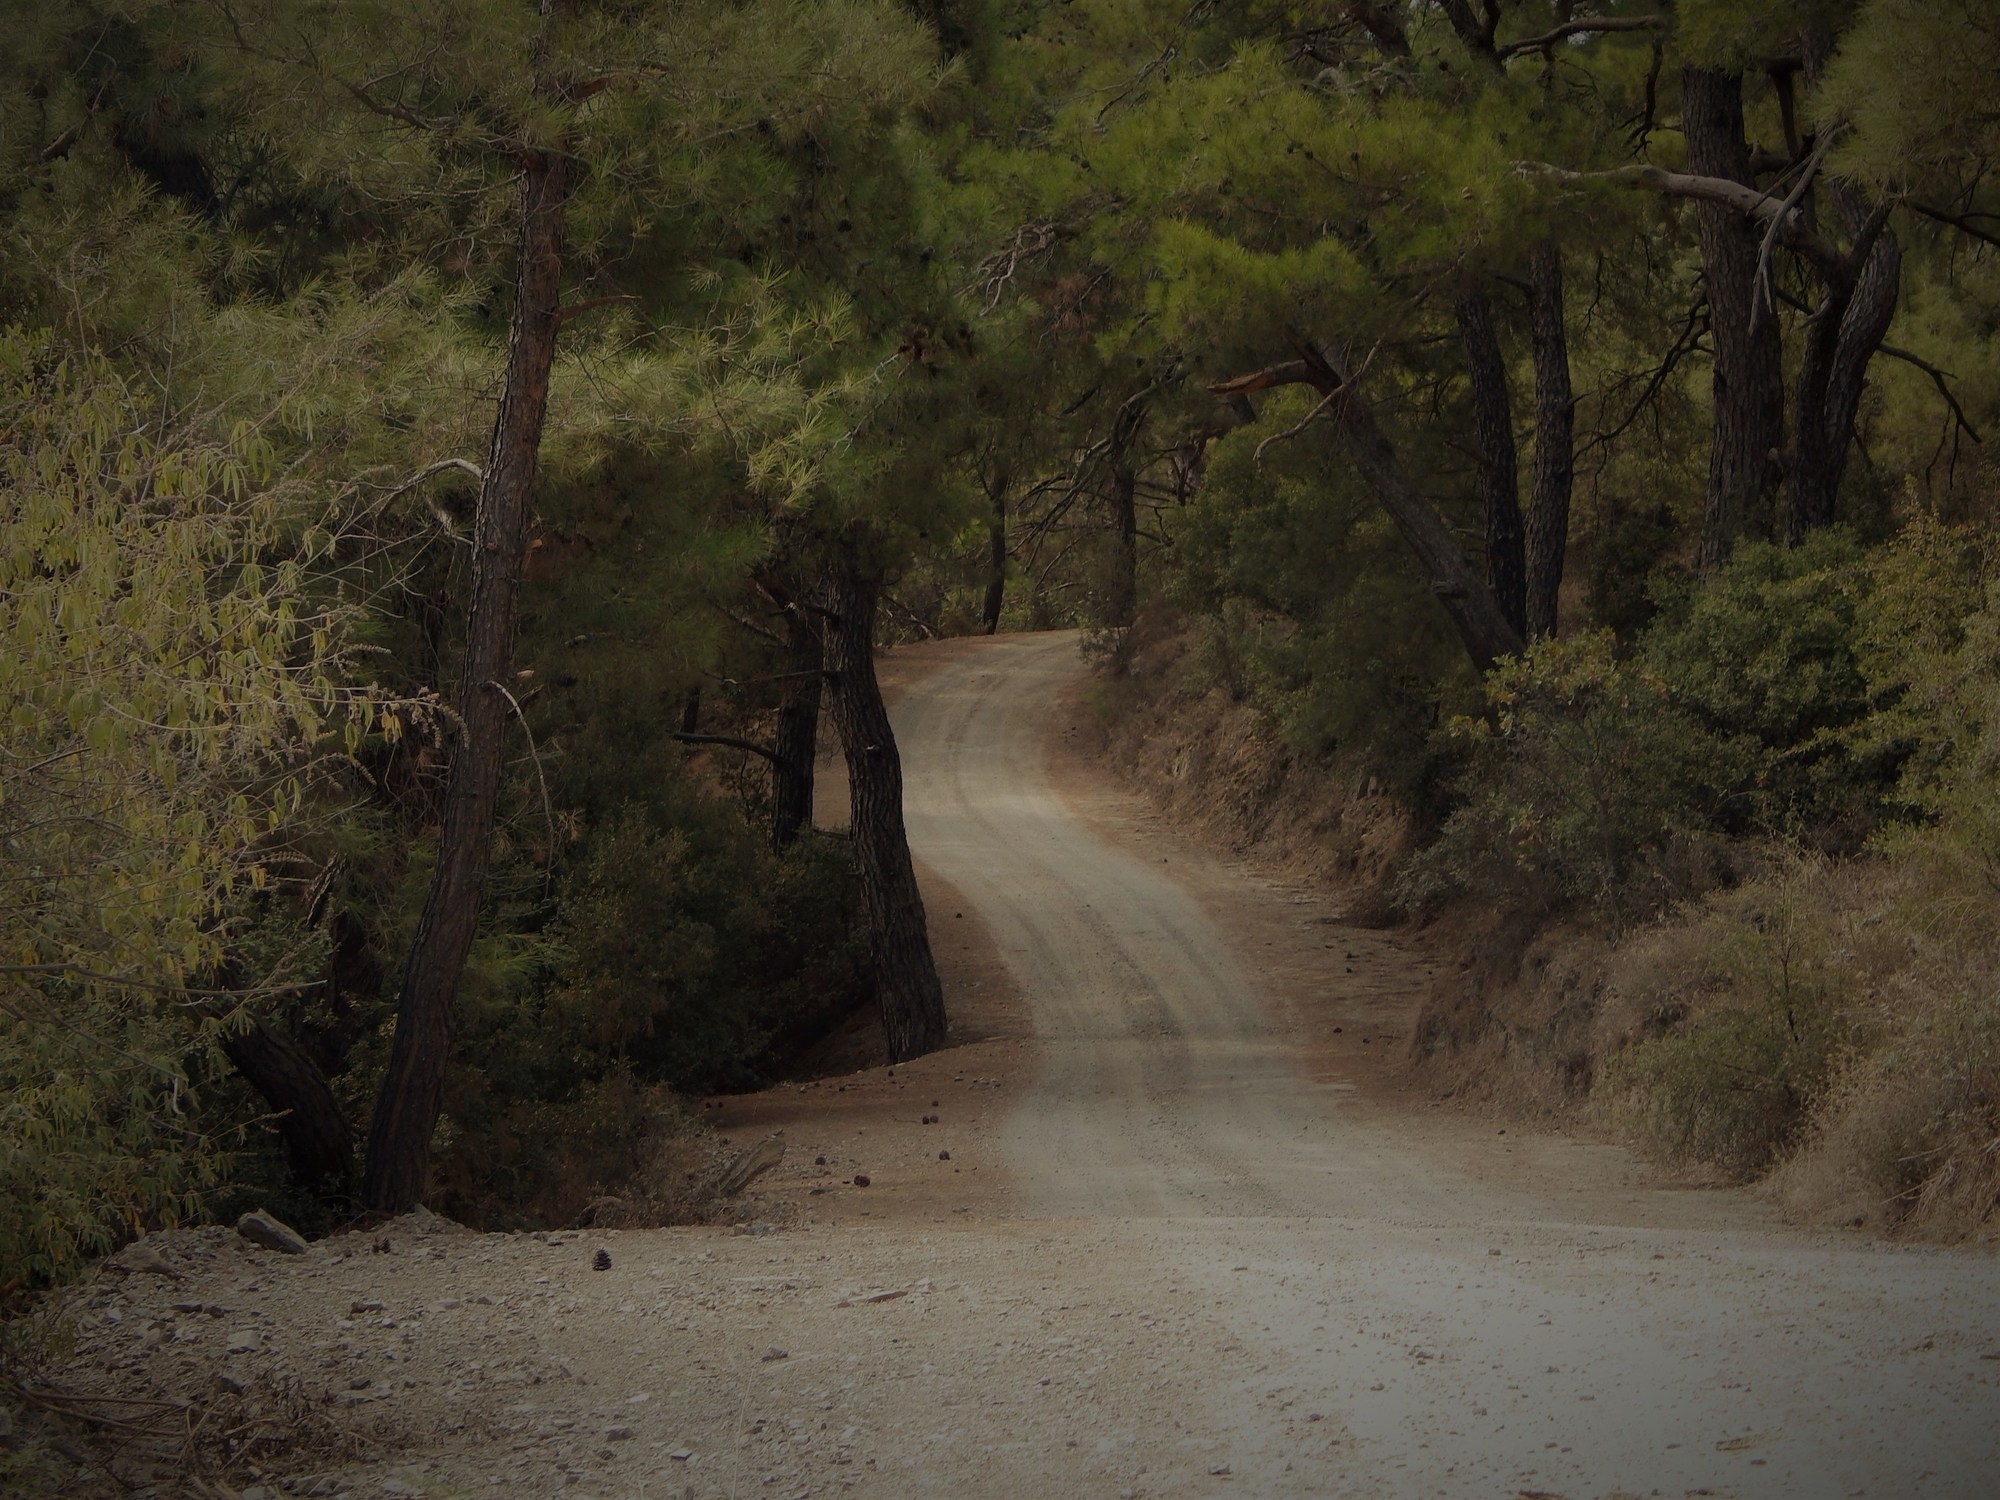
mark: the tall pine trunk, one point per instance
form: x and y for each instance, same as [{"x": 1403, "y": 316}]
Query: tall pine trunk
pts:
[
  {"x": 1749, "y": 378},
  {"x": 1124, "y": 602},
  {"x": 406, "y": 1111},
  {"x": 1555, "y": 441},
  {"x": 996, "y": 561},
  {"x": 906, "y": 979},
  {"x": 1493, "y": 442}
]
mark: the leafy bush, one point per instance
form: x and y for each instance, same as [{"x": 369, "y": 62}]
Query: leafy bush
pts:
[
  {"x": 1304, "y": 603},
  {"x": 1767, "y": 652},
  {"x": 171, "y": 687},
  {"x": 1584, "y": 783},
  {"x": 1736, "y": 1082},
  {"x": 683, "y": 955}
]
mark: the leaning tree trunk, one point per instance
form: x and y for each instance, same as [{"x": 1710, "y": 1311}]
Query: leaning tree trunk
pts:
[
  {"x": 906, "y": 978},
  {"x": 317, "y": 1138},
  {"x": 1475, "y": 611},
  {"x": 797, "y": 738},
  {"x": 407, "y": 1109},
  {"x": 1749, "y": 377},
  {"x": 1842, "y": 336},
  {"x": 1493, "y": 441},
  {"x": 1555, "y": 441}
]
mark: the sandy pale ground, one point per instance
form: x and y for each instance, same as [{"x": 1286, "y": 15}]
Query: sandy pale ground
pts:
[{"x": 1172, "y": 1233}]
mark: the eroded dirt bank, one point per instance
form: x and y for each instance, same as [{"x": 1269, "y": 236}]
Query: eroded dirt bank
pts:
[{"x": 1171, "y": 1233}]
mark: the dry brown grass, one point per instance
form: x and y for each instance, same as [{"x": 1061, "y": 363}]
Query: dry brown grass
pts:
[
  {"x": 1214, "y": 764},
  {"x": 1885, "y": 1109}
]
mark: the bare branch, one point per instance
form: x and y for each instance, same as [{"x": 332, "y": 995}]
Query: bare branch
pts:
[
  {"x": 431, "y": 471},
  {"x": 548, "y": 809},
  {"x": 578, "y": 309},
  {"x": 1291, "y": 372},
  {"x": 1752, "y": 203},
  {"x": 1961, "y": 222},
  {"x": 1938, "y": 379},
  {"x": 731, "y": 742},
  {"x": 1760, "y": 294},
  {"x": 1582, "y": 26}
]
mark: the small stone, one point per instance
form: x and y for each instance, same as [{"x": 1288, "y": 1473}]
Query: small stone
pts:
[
  {"x": 944, "y": 1156},
  {"x": 142, "y": 1256},
  {"x": 776, "y": 1354},
  {"x": 601, "y": 1261},
  {"x": 617, "y": 1434},
  {"x": 245, "y": 1341},
  {"x": 681, "y": 1454},
  {"x": 259, "y": 1228},
  {"x": 819, "y": 1161},
  {"x": 356, "y": 1308},
  {"x": 1219, "y": 1470},
  {"x": 861, "y": 1179}
]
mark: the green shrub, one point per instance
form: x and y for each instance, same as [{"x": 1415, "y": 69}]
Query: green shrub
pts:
[
  {"x": 170, "y": 692},
  {"x": 1305, "y": 603},
  {"x": 1584, "y": 784},
  {"x": 1767, "y": 652},
  {"x": 1771, "y": 1016},
  {"x": 683, "y": 955}
]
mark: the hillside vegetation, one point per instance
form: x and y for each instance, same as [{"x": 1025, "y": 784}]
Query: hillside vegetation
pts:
[{"x": 454, "y": 457}]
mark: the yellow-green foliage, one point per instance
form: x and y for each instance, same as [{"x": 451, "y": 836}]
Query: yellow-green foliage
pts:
[
  {"x": 1843, "y": 1019},
  {"x": 1584, "y": 782},
  {"x": 1775, "y": 1016},
  {"x": 166, "y": 678}
]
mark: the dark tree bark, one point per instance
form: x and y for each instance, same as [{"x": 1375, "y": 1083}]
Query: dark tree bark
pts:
[
  {"x": 1382, "y": 23},
  {"x": 1124, "y": 601},
  {"x": 1842, "y": 335},
  {"x": 1475, "y": 612},
  {"x": 797, "y": 737},
  {"x": 317, "y": 1138},
  {"x": 1475, "y": 33},
  {"x": 1122, "y": 605},
  {"x": 412, "y": 1094},
  {"x": 1482, "y": 626},
  {"x": 906, "y": 979},
  {"x": 996, "y": 560},
  {"x": 1493, "y": 442},
  {"x": 1749, "y": 379},
  {"x": 1555, "y": 441}
]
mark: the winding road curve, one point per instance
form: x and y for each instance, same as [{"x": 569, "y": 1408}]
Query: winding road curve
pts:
[
  {"x": 1148, "y": 1229},
  {"x": 1473, "y": 1337}
]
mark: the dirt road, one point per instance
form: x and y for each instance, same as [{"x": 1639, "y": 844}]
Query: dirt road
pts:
[{"x": 1171, "y": 1235}]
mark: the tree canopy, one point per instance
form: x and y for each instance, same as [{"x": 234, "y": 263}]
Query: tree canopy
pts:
[{"x": 454, "y": 452}]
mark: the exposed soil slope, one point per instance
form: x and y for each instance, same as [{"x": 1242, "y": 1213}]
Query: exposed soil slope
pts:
[{"x": 1187, "y": 1240}]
